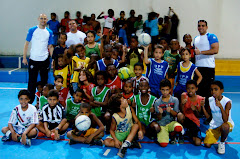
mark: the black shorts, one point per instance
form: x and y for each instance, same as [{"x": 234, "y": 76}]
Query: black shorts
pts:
[{"x": 192, "y": 129}]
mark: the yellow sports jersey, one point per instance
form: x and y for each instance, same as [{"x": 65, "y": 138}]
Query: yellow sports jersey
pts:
[
  {"x": 133, "y": 60},
  {"x": 63, "y": 72},
  {"x": 79, "y": 63},
  {"x": 123, "y": 124}
]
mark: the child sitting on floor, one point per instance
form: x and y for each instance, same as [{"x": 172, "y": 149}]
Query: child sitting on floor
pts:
[
  {"x": 21, "y": 125},
  {"x": 123, "y": 129},
  {"x": 92, "y": 135},
  {"x": 144, "y": 108},
  {"x": 54, "y": 118}
]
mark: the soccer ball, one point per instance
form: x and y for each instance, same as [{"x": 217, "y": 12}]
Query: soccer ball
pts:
[
  {"x": 124, "y": 73},
  {"x": 144, "y": 39},
  {"x": 83, "y": 123}
]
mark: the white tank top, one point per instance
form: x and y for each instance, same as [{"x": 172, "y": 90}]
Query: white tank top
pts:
[{"x": 216, "y": 112}]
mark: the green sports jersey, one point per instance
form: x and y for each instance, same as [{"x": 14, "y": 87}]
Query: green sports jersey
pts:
[
  {"x": 143, "y": 111},
  {"x": 173, "y": 61},
  {"x": 42, "y": 102},
  {"x": 100, "y": 98},
  {"x": 72, "y": 109}
]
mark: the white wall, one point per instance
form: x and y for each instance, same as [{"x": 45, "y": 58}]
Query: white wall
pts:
[{"x": 222, "y": 16}]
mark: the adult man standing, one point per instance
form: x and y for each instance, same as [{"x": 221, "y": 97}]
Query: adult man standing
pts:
[
  {"x": 74, "y": 36},
  {"x": 42, "y": 39},
  {"x": 206, "y": 46}
]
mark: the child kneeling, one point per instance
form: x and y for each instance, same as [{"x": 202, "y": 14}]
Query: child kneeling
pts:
[
  {"x": 21, "y": 125},
  {"x": 92, "y": 135},
  {"x": 221, "y": 123},
  {"x": 122, "y": 127},
  {"x": 167, "y": 108}
]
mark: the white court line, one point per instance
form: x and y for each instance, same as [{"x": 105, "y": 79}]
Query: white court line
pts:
[
  {"x": 106, "y": 152},
  {"x": 11, "y": 88},
  {"x": 9, "y": 72}
]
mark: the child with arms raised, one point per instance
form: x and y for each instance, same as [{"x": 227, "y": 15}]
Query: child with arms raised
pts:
[
  {"x": 191, "y": 107},
  {"x": 185, "y": 72},
  {"x": 123, "y": 129},
  {"x": 157, "y": 70},
  {"x": 21, "y": 125},
  {"x": 144, "y": 108},
  {"x": 92, "y": 135},
  {"x": 221, "y": 123},
  {"x": 167, "y": 108}
]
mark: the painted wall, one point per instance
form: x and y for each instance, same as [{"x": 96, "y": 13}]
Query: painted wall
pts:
[{"x": 18, "y": 16}]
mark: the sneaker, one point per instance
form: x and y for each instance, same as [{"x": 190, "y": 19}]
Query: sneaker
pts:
[
  {"x": 28, "y": 142},
  {"x": 135, "y": 144},
  {"x": 122, "y": 151},
  {"x": 96, "y": 142},
  {"x": 52, "y": 136},
  {"x": 7, "y": 136},
  {"x": 180, "y": 139},
  {"x": 71, "y": 142},
  {"x": 221, "y": 148},
  {"x": 173, "y": 139}
]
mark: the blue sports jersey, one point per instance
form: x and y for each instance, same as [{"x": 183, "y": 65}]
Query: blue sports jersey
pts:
[
  {"x": 102, "y": 66},
  {"x": 183, "y": 77},
  {"x": 156, "y": 72},
  {"x": 54, "y": 26}
]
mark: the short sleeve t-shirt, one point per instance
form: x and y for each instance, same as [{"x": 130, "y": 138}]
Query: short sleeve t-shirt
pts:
[
  {"x": 203, "y": 43},
  {"x": 166, "y": 116},
  {"x": 21, "y": 120},
  {"x": 108, "y": 21},
  {"x": 40, "y": 39},
  {"x": 75, "y": 38}
]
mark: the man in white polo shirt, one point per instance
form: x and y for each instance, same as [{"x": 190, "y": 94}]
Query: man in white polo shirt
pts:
[
  {"x": 42, "y": 39},
  {"x": 74, "y": 36},
  {"x": 206, "y": 46}
]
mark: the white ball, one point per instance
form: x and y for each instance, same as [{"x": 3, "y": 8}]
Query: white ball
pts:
[
  {"x": 144, "y": 39},
  {"x": 83, "y": 123}
]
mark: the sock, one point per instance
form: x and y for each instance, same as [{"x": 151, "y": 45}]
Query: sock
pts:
[
  {"x": 8, "y": 133},
  {"x": 126, "y": 143}
]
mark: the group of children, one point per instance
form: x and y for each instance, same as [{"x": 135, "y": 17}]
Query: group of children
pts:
[{"x": 142, "y": 105}]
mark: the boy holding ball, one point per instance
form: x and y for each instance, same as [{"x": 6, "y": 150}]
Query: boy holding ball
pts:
[{"x": 92, "y": 135}]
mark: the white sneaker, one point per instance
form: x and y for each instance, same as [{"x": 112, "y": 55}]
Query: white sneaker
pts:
[{"x": 221, "y": 148}]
